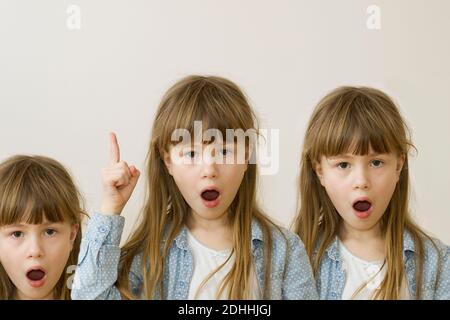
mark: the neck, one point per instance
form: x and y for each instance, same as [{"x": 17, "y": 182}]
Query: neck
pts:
[
  {"x": 21, "y": 296},
  {"x": 366, "y": 244},
  {"x": 214, "y": 233},
  {"x": 196, "y": 222},
  {"x": 349, "y": 233}
]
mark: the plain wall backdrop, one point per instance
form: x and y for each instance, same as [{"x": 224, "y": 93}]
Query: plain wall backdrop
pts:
[{"x": 62, "y": 89}]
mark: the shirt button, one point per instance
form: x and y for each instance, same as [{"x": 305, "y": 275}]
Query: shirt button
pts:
[{"x": 103, "y": 229}]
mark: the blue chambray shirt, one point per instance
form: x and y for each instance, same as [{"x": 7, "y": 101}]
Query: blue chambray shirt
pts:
[
  {"x": 98, "y": 263},
  {"x": 331, "y": 275}
]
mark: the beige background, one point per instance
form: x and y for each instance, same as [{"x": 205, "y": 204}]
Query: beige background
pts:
[{"x": 62, "y": 91}]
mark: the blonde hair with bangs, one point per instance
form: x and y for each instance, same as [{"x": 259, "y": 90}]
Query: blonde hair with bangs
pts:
[
  {"x": 355, "y": 119},
  {"x": 222, "y": 105},
  {"x": 32, "y": 189}
]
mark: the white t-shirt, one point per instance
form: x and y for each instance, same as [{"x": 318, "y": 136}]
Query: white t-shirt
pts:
[
  {"x": 359, "y": 272},
  {"x": 207, "y": 260}
]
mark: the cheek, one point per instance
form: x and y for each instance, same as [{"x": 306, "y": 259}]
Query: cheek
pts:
[
  {"x": 338, "y": 189},
  {"x": 334, "y": 184},
  {"x": 235, "y": 175},
  {"x": 336, "y": 197},
  {"x": 7, "y": 250},
  {"x": 60, "y": 250},
  {"x": 186, "y": 182},
  {"x": 183, "y": 177},
  {"x": 386, "y": 185},
  {"x": 9, "y": 259}
]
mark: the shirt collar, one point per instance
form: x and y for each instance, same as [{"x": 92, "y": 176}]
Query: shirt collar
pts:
[
  {"x": 408, "y": 246},
  {"x": 181, "y": 240},
  {"x": 408, "y": 243},
  {"x": 333, "y": 250}
]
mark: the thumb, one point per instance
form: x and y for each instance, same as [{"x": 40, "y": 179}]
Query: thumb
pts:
[{"x": 135, "y": 173}]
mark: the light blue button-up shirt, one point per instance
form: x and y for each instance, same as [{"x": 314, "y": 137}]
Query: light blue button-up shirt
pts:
[
  {"x": 436, "y": 285},
  {"x": 98, "y": 263}
]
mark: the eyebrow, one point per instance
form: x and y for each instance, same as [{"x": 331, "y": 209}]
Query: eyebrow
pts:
[
  {"x": 349, "y": 155},
  {"x": 198, "y": 145}
]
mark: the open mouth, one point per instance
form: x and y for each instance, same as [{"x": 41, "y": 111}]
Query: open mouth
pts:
[
  {"x": 211, "y": 198},
  {"x": 362, "y": 208},
  {"x": 36, "y": 277},
  {"x": 210, "y": 195}
]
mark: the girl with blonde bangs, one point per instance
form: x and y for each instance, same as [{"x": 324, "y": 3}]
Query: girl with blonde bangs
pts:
[
  {"x": 353, "y": 212},
  {"x": 40, "y": 216},
  {"x": 201, "y": 233}
]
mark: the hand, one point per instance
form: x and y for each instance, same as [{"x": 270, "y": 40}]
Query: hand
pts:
[{"x": 118, "y": 180}]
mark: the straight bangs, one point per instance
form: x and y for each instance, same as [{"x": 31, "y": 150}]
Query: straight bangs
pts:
[
  {"x": 356, "y": 124},
  {"x": 189, "y": 111},
  {"x": 31, "y": 193}
]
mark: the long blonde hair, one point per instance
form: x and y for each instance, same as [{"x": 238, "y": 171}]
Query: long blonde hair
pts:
[
  {"x": 357, "y": 118},
  {"x": 224, "y": 106},
  {"x": 34, "y": 188}
]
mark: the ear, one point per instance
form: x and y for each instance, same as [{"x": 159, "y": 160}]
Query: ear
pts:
[
  {"x": 167, "y": 162},
  {"x": 73, "y": 233},
  {"x": 400, "y": 163},
  {"x": 318, "y": 170}
]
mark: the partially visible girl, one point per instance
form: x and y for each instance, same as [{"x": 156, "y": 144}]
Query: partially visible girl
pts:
[
  {"x": 353, "y": 215},
  {"x": 40, "y": 216}
]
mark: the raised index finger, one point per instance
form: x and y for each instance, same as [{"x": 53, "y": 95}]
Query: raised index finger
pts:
[{"x": 114, "y": 151}]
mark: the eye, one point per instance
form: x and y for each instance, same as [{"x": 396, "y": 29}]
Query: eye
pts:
[
  {"x": 343, "y": 165},
  {"x": 17, "y": 234},
  {"x": 377, "y": 163},
  {"x": 50, "y": 232},
  {"x": 225, "y": 151},
  {"x": 190, "y": 154}
]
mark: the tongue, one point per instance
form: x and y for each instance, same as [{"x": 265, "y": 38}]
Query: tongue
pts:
[
  {"x": 362, "y": 206},
  {"x": 210, "y": 195},
  {"x": 36, "y": 275}
]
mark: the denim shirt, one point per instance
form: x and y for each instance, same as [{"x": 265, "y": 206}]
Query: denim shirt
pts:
[
  {"x": 435, "y": 285},
  {"x": 98, "y": 264}
]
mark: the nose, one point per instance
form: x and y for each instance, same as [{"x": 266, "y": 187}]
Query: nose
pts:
[
  {"x": 362, "y": 180},
  {"x": 209, "y": 165},
  {"x": 35, "y": 248}
]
